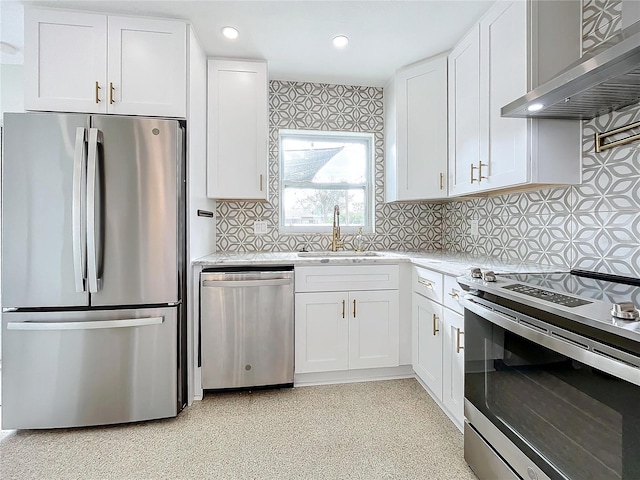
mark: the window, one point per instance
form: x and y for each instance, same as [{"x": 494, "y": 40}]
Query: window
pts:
[{"x": 319, "y": 170}]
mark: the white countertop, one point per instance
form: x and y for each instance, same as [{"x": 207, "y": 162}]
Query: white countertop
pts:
[{"x": 450, "y": 263}]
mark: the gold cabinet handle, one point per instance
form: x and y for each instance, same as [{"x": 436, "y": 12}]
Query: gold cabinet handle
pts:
[
  {"x": 435, "y": 324},
  {"x": 426, "y": 283},
  {"x": 480, "y": 176},
  {"x": 473, "y": 167},
  {"x": 453, "y": 293},
  {"x": 260, "y": 182},
  {"x": 441, "y": 180},
  {"x": 97, "y": 88},
  {"x": 458, "y": 346},
  {"x": 110, "y": 93},
  {"x": 344, "y": 304},
  {"x": 354, "y": 308}
]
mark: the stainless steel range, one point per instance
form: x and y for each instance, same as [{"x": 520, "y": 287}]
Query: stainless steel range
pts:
[{"x": 552, "y": 375}]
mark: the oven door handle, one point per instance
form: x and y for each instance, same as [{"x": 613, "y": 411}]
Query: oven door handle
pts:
[{"x": 598, "y": 360}]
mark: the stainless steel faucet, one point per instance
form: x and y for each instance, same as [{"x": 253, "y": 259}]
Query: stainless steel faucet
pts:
[{"x": 336, "y": 242}]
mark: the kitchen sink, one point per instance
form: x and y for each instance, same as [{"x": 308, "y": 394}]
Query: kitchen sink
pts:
[{"x": 340, "y": 254}]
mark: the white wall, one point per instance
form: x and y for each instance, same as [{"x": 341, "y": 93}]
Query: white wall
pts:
[
  {"x": 201, "y": 235},
  {"x": 202, "y": 230},
  {"x": 11, "y": 89}
]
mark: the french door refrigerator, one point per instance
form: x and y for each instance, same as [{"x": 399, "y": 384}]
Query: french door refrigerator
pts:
[{"x": 93, "y": 270}]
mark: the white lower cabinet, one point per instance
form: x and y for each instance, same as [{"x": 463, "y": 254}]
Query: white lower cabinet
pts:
[
  {"x": 373, "y": 329},
  {"x": 428, "y": 342},
  {"x": 438, "y": 341},
  {"x": 321, "y": 332},
  {"x": 346, "y": 329},
  {"x": 453, "y": 366}
]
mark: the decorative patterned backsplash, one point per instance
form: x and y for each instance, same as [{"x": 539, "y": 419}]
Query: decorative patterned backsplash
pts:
[
  {"x": 593, "y": 226},
  {"x": 311, "y": 106}
]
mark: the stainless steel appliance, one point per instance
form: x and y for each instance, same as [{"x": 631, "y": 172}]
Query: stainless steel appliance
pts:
[
  {"x": 604, "y": 80},
  {"x": 93, "y": 256},
  {"x": 552, "y": 376},
  {"x": 247, "y": 327}
]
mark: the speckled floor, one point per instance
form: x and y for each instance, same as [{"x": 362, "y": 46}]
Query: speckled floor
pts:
[{"x": 374, "y": 430}]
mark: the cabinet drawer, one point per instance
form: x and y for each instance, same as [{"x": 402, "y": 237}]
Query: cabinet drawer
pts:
[
  {"x": 342, "y": 278},
  {"x": 427, "y": 283},
  {"x": 452, "y": 294}
]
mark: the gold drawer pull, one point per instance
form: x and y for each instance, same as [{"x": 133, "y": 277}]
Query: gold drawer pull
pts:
[
  {"x": 354, "y": 308},
  {"x": 473, "y": 167},
  {"x": 97, "y": 89},
  {"x": 426, "y": 283},
  {"x": 454, "y": 293},
  {"x": 441, "y": 180},
  {"x": 111, "y": 93},
  {"x": 458, "y": 346},
  {"x": 435, "y": 324},
  {"x": 344, "y": 303}
]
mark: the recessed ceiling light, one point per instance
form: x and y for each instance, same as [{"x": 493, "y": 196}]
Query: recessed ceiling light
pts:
[
  {"x": 230, "y": 33},
  {"x": 340, "y": 41},
  {"x": 534, "y": 107}
]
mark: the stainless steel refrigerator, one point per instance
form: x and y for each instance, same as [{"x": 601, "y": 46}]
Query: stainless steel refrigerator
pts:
[{"x": 93, "y": 270}]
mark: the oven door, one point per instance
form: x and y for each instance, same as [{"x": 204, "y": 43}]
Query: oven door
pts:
[{"x": 569, "y": 407}]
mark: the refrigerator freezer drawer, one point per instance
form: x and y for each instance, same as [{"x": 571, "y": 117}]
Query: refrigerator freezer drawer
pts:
[{"x": 88, "y": 368}]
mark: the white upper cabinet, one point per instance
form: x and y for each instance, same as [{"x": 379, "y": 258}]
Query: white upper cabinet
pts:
[
  {"x": 464, "y": 112},
  {"x": 147, "y": 67},
  {"x": 516, "y": 46},
  {"x": 416, "y": 132},
  {"x": 237, "y": 147},
  {"x": 65, "y": 61},
  {"x": 79, "y": 62}
]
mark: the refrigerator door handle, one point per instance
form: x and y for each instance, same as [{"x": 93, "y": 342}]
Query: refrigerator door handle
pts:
[
  {"x": 93, "y": 227},
  {"x": 79, "y": 232},
  {"x": 129, "y": 322}
]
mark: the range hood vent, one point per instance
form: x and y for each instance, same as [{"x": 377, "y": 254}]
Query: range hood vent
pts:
[{"x": 600, "y": 82}]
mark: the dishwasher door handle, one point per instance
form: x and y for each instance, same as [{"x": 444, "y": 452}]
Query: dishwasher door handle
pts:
[{"x": 246, "y": 283}]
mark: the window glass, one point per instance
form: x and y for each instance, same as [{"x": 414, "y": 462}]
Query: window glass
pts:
[{"x": 320, "y": 170}]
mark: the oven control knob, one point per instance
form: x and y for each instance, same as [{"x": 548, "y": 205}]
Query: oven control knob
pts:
[
  {"x": 489, "y": 276},
  {"x": 476, "y": 273},
  {"x": 625, "y": 311}
]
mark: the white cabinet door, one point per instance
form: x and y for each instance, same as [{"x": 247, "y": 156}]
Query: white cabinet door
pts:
[
  {"x": 428, "y": 340},
  {"x": 503, "y": 37},
  {"x": 421, "y": 130},
  {"x": 453, "y": 366},
  {"x": 465, "y": 146},
  {"x": 237, "y": 130},
  {"x": 374, "y": 329},
  {"x": 321, "y": 332},
  {"x": 147, "y": 67},
  {"x": 65, "y": 61}
]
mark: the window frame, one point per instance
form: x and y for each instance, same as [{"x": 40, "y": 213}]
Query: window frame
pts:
[{"x": 368, "y": 186}]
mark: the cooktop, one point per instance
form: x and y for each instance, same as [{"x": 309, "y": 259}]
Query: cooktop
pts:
[
  {"x": 578, "y": 283},
  {"x": 604, "y": 302}
]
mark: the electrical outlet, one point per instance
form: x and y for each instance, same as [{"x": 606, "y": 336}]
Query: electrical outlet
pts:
[
  {"x": 474, "y": 227},
  {"x": 259, "y": 227}
]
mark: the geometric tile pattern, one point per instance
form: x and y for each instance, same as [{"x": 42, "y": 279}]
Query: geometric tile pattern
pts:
[
  {"x": 600, "y": 20},
  {"x": 592, "y": 226},
  {"x": 311, "y": 106}
]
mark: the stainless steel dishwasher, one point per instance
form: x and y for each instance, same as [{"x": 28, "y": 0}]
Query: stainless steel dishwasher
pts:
[{"x": 246, "y": 327}]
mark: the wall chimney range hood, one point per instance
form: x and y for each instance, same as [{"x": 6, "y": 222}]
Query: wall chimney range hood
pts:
[{"x": 602, "y": 81}]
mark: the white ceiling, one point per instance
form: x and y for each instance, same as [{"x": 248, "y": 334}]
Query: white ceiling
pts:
[{"x": 295, "y": 36}]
